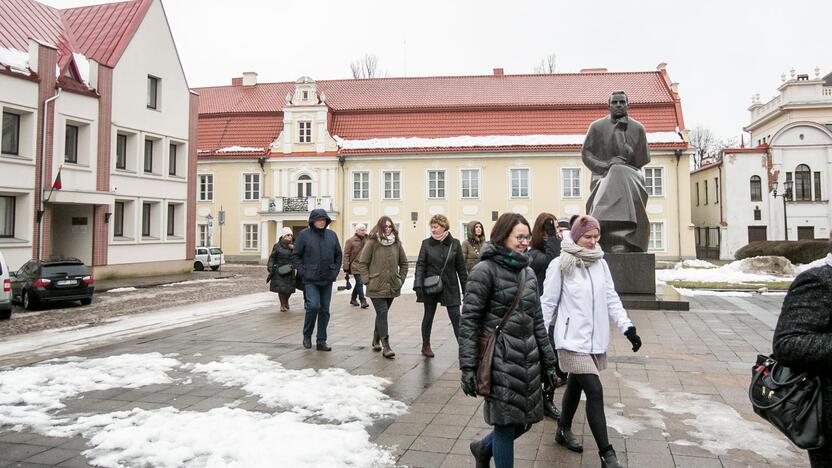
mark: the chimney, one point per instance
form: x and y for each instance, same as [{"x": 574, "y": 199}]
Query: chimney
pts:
[
  {"x": 237, "y": 81},
  {"x": 249, "y": 78},
  {"x": 661, "y": 66},
  {"x": 498, "y": 72},
  {"x": 593, "y": 70}
]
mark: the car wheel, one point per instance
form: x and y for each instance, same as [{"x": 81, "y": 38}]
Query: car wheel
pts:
[
  {"x": 87, "y": 301},
  {"x": 5, "y": 314},
  {"x": 215, "y": 268},
  {"x": 29, "y": 302},
  {"x": 198, "y": 266}
]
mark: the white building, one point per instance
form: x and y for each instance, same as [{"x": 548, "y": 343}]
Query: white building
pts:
[
  {"x": 792, "y": 138},
  {"x": 99, "y": 94}
]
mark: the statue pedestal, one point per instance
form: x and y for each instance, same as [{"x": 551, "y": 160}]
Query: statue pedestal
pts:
[{"x": 634, "y": 275}]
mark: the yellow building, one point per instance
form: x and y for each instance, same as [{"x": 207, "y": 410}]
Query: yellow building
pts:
[{"x": 468, "y": 147}]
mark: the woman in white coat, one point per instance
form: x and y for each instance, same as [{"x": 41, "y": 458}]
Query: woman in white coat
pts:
[{"x": 580, "y": 297}]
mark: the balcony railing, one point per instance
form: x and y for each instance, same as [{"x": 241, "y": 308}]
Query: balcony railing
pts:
[{"x": 295, "y": 204}]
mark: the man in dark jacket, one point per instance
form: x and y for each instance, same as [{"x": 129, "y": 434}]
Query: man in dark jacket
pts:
[
  {"x": 352, "y": 249},
  {"x": 317, "y": 258}
]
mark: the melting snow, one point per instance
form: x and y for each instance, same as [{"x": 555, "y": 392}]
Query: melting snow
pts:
[
  {"x": 827, "y": 260},
  {"x": 490, "y": 140},
  {"x": 17, "y": 60},
  {"x": 239, "y": 149},
  {"x": 696, "y": 263},
  {"x": 708, "y": 292},
  {"x": 183, "y": 283},
  {"x": 730, "y": 273},
  {"x": 117, "y": 290},
  {"x": 83, "y": 67}
]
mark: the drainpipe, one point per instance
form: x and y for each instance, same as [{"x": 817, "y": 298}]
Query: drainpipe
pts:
[
  {"x": 42, "y": 156},
  {"x": 678, "y": 154},
  {"x": 341, "y": 161}
]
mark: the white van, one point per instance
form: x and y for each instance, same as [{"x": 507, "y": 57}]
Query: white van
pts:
[
  {"x": 5, "y": 290},
  {"x": 208, "y": 257}
]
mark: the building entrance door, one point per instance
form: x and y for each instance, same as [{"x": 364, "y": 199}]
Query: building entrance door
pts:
[{"x": 756, "y": 233}]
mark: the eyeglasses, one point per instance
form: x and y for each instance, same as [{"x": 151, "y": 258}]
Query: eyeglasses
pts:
[
  {"x": 388, "y": 226},
  {"x": 522, "y": 238}
]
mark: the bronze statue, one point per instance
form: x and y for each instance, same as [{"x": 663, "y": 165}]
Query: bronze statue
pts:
[{"x": 615, "y": 150}]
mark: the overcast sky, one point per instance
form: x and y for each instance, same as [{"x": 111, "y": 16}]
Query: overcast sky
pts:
[{"x": 720, "y": 52}]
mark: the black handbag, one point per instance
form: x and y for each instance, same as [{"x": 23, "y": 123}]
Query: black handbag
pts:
[
  {"x": 432, "y": 285},
  {"x": 789, "y": 400}
]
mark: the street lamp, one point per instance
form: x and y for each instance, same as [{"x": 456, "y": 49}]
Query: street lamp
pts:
[{"x": 787, "y": 195}]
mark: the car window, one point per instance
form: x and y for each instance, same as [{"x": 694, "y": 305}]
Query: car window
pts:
[
  {"x": 68, "y": 269},
  {"x": 216, "y": 251},
  {"x": 201, "y": 252}
]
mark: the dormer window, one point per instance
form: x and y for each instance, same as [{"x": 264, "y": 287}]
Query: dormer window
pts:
[{"x": 304, "y": 131}]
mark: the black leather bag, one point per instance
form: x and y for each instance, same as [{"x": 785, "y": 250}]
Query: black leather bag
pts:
[
  {"x": 432, "y": 285},
  {"x": 791, "y": 401}
]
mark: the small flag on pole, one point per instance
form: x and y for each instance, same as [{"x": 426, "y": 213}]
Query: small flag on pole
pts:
[{"x": 57, "y": 184}]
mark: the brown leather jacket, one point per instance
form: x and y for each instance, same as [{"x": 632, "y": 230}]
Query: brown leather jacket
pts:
[{"x": 352, "y": 249}]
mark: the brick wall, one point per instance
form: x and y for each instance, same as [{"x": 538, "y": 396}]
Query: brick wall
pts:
[
  {"x": 190, "y": 220},
  {"x": 47, "y": 58},
  {"x": 101, "y": 230}
]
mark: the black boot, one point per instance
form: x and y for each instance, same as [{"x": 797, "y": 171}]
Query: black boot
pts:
[
  {"x": 482, "y": 454},
  {"x": 376, "y": 341},
  {"x": 307, "y": 342},
  {"x": 609, "y": 459},
  {"x": 565, "y": 437},
  {"x": 550, "y": 409}
]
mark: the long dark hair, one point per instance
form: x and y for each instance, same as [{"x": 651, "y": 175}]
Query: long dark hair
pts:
[
  {"x": 539, "y": 233},
  {"x": 472, "y": 237},
  {"x": 504, "y": 225},
  {"x": 378, "y": 229}
]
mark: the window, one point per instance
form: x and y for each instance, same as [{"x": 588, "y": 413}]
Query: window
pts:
[
  {"x": 519, "y": 183},
  {"x": 7, "y": 207},
  {"x": 202, "y": 235},
  {"x": 152, "y": 92},
  {"x": 118, "y": 220},
  {"x": 654, "y": 181},
  {"x": 251, "y": 186},
  {"x": 392, "y": 185},
  {"x": 697, "y": 194},
  {"x": 470, "y": 183},
  {"x": 436, "y": 184},
  {"x": 304, "y": 132},
  {"x": 758, "y": 214},
  {"x": 148, "y": 155},
  {"x": 571, "y": 183},
  {"x": 206, "y": 187},
  {"x": 656, "y": 241},
  {"x": 171, "y": 220},
  {"x": 817, "y": 186},
  {"x": 146, "y": 211},
  {"x": 802, "y": 183},
  {"x": 716, "y": 190},
  {"x": 706, "y": 192},
  {"x": 11, "y": 133},
  {"x": 756, "y": 188},
  {"x": 121, "y": 151},
  {"x": 71, "y": 144},
  {"x": 172, "y": 160},
  {"x": 251, "y": 234},
  {"x": 304, "y": 186},
  {"x": 789, "y": 178},
  {"x": 360, "y": 185}
]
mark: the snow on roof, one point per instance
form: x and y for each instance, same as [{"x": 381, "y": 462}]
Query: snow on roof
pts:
[
  {"x": 16, "y": 60},
  {"x": 239, "y": 149}
]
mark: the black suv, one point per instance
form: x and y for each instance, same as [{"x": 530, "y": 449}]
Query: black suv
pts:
[{"x": 53, "y": 280}]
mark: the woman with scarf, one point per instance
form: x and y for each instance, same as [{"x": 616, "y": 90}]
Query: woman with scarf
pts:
[
  {"x": 472, "y": 245},
  {"x": 440, "y": 270},
  {"x": 579, "y": 296},
  {"x": 383, "y": 264},
  {"x": 281, "y": 272}
]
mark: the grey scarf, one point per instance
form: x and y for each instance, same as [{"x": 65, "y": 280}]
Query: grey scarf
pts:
[
  {"x": 572, "y": 255},
  {"x": 386, "y": 240}
]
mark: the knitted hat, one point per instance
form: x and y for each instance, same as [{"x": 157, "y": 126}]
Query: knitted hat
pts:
[
  {"x": 582, "y": 225},
  {"x": 563, "y": 223},
  {"x": 287, "y": 231}
]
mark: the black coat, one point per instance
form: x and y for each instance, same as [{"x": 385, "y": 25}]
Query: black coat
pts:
[
  {"x": 523, "y": 350},
  {"x": 432, "y": 256},
  {"x": 803, "y": 337},
  {"x": 539, "y": 260},
  {"x": 317, "y": 254},
  {"x": 281, "y": 255}
]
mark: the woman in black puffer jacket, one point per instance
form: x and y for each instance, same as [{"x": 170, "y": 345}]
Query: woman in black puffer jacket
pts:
[
  {"x": 523, "y": 358},
  {"x": 282, "y": 284},
  {"x": 803, "y": 340}
]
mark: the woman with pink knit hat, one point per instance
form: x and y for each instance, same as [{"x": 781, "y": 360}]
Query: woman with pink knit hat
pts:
[{"x": 579, "y": 297}]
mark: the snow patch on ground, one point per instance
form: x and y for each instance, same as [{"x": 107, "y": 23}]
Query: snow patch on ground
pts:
[
  {"x": 730, "y": 273},
  {"x": 118, "y": 290},
  {"x": 817, "y": 263},
  {"x": 696, "y": 263},
  {"x": 709, "y": 292},
  {"x": 183, "y": 283},
  {"x": 624, "y": 425},
  {"x": 327, "y": 394}
]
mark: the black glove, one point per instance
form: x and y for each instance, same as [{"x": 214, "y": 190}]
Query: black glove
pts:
[
  {"x": 550, "y": 377},
  {"x": 634, "y": 338},
  {"x": 469, "y": 383},
  {"x": 549, "y": 226}
]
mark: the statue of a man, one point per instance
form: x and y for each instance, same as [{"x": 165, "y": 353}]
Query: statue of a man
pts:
[{"x": 615, "y": 150}]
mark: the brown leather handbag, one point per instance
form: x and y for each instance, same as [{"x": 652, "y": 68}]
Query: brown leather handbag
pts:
[{"x": 488, "y": 340}]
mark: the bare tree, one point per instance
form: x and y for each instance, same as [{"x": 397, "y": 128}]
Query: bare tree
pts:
[
  {"x": 365, "y": 67},
  {"x": 547, "y": 65},
  {"x": 707, "y": 145}
]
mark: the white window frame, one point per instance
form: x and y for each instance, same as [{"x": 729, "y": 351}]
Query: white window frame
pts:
[
  {"x": 199, "y": 227},
  {"x": 398, "y": 190},
  {"x": 651, "y": 189},
  {"x": 199, "y": 193},
  {"x": 444, "y": 184},
  {"x": 304, "y": 134},
  {"x": 651, "y": 247},
  {"x": 520, "y": 196},
  {"x": 245, "y": 193},
  {"x": 365, "y": 185},
  {"x": 244, "y": 244},
  {"x": 563, "y": 194},
  {"x": 478, "y": 188}
]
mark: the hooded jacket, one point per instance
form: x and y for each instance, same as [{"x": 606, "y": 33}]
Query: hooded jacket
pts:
[
  {"x": 471, "y": 247},
  {"x": 383, "y": 268},
  {"x": 317, "y": 254},
  {"x": 281, "y": 255}
]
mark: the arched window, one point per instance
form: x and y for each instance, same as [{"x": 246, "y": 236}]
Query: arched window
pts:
[
  {"x": 756, "y": 188},
  {"x": 802, "y": 182},
  {"x": 304, "y": 186}
]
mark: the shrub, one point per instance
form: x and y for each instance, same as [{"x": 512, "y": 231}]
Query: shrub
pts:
[{"x": 798, "y": 252}]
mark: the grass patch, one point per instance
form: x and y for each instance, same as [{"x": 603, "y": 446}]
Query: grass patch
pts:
[{"x": 771, "y": 285}]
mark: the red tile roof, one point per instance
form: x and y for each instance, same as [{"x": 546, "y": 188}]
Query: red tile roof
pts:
[{"x": 238, "y": 130}]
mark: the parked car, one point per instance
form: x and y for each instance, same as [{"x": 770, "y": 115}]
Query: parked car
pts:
[
  {"x": 53, "y": 280},
  {"x": 208, "y": 257},
  {"x": 6, "y": 291}
]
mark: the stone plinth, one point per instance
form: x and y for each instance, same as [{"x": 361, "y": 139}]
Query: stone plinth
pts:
[{"x": 633, "y": 273}]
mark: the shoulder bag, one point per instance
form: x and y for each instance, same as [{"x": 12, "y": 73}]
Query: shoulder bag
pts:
[
  {"x": 488, "y": 340},
  {"x": 432, "y": 285}
]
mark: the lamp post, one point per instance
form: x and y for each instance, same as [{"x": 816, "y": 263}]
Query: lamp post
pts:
[{"x": 786, "y": 195}]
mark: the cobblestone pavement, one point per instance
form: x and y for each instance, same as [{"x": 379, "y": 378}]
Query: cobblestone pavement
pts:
[
  {"x": 700, "y": 357},
  {"x": 232, "y": 280}
]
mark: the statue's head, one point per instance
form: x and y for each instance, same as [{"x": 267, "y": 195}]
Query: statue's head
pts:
[{"x": 618, "y": 104}]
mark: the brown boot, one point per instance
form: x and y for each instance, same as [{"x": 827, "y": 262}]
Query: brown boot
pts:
[
  {"x": 376, "y": 341},
  {"x": 426, "y": 351},
  {"x": 386, "y": 350}
]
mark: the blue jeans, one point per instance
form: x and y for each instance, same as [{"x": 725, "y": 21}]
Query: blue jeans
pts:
[
  {"x": 501, "y": 443},
  {"x": 358, "y": 290},
  {"x": 317, "y": 309}
]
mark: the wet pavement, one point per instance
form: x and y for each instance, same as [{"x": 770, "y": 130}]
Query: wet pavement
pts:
[{"x": 680, "y": 402}]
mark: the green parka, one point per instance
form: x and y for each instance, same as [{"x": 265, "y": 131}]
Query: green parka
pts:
[{"x": 383, "y": 268}]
